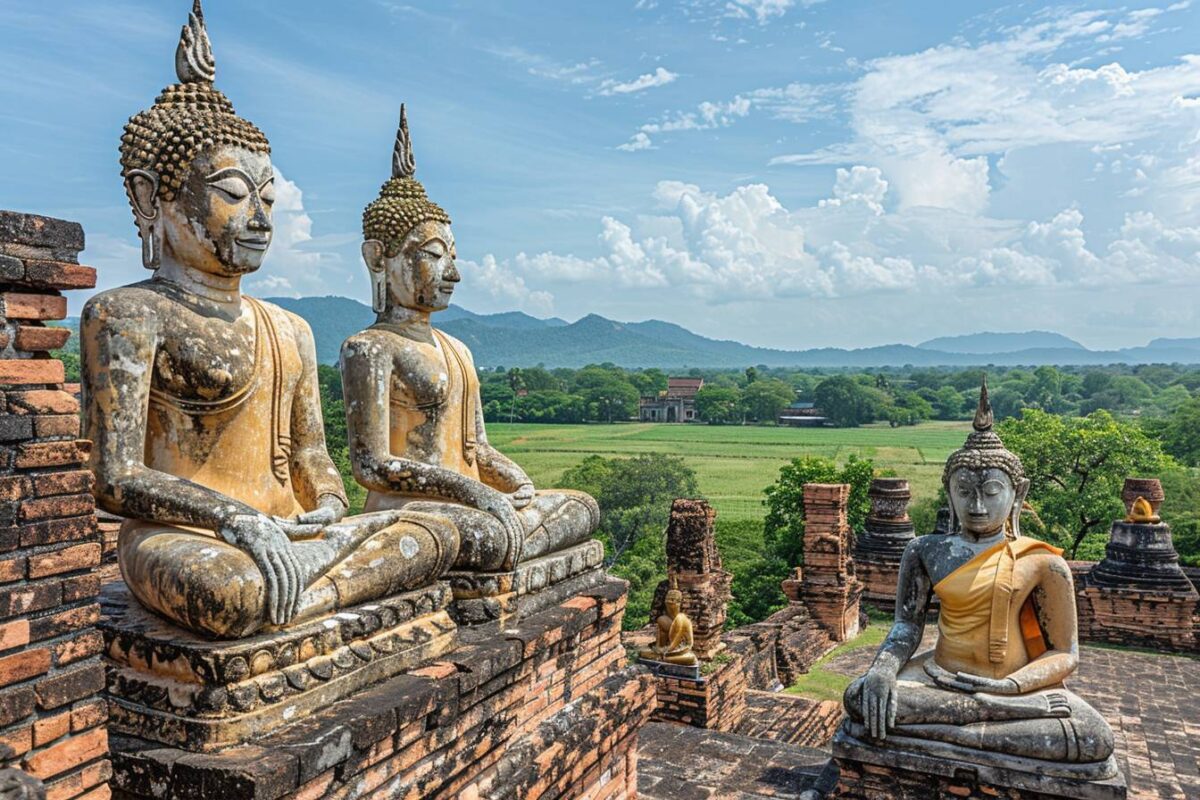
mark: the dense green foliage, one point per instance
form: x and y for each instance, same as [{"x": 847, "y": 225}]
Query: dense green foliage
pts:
[
  {"x": 900, "y": 396},
  {"x": 635, "y": 496},
  {"x": 1077, "y": 466}
]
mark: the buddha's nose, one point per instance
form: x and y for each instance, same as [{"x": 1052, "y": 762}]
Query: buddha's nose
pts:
[{"x": 452, "y": 273}]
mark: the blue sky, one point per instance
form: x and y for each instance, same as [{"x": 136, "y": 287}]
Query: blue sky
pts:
[{"x": 786, "y": 173}]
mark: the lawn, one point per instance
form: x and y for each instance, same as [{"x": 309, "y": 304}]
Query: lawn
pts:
[{"x": 734, "y": 463}]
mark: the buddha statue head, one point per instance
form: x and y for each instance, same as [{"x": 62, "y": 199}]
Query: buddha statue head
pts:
[
  {"x": 984, "y": 481},
  {"x": 198, "y": 176},
  {"x": 673, "y": 600},
  {"x": 408, "y": 245}
]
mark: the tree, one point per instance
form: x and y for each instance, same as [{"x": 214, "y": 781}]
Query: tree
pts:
[
  {"x": 948, "y": 403},
  {"x": 846, "y": 402},
  {"x": 635, "y": 496},
  {"x": 1076, "y": 467},
  {"x": 1181, "y": 434},
  {"x": 719, "y": 405},
  {"x": 765, "y": 398},
  {"x": 757, "y": 587},
  {"x": 608, "y": 393}
]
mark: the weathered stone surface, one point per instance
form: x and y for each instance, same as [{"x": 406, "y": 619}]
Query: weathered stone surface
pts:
[
  {"x": 38, "y": 231},
  {"x": 177, "y": 688},
  {"x": 868, "y": 771},
  {"x": 683, "y": 763},
  {"x": 536, "y": 584}
]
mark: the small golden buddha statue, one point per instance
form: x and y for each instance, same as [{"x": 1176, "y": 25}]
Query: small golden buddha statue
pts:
[
  {"x": 413, "y": 412},
  {"x": 1007, "y": 629},
  {"x": 674, "y": 639},
  {"x": 1142, "y": 512},
  {"x": 202, "y": 403}
]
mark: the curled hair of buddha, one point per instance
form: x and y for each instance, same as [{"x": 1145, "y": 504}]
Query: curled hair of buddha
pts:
[
  {"x": 402, "y": 203},
  {"x": 983, "y": 448},
  {"x": 187, "y": 117}
]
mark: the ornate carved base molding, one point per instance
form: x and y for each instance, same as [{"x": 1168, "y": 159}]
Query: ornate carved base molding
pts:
[
  {"x": 539, "y": 583},
  {"x": 171, "y": 686}
]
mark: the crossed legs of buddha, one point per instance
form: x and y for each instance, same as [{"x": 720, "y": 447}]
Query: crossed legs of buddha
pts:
[
  {"x": 554, "y": 520},
  {"x": 206, "y": 585},
  {"x": 1051, "y": 724}
]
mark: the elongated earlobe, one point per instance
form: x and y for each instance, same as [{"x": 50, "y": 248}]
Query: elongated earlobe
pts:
[
  {"x": 373, "y": 255},
  {"x": 142, "y": 188}
]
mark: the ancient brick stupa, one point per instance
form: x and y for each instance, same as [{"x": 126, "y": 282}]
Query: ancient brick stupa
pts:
[
  {"x": 1138, "y": 594},
  {"x": 879, "y": 547},
  {"x": 694, "y": 566}
]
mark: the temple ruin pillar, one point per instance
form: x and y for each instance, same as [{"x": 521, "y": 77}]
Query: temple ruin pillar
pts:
[
  {"x": 52, "y": 714},
  {"x": 879, "y": 548}
]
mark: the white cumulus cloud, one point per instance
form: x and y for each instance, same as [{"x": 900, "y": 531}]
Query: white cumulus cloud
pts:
[{"x": 651, "y": 80}]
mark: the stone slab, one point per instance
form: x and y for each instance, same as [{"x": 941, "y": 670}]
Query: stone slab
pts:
[
  {"x": 38, "y": 231},
  {"x": 975, "y": 769},
  {"x": 174, "y": 687}
]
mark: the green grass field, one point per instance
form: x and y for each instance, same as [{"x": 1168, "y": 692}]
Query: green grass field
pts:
[{"x": 734, "y": 463}]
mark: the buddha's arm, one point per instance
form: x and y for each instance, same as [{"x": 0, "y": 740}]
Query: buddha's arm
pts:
[
  {"x": 496, "y": 469},
  {"x": 1055, "y": 602},
  {"x": 366, "y": 384},
  {"x": 314, "y": 475},
  {"x": 117, "y": 361},
  {"x": 878, "y": 695},
  {"x": 912, "y": 604},
  {"x": 681, "y": 637}
]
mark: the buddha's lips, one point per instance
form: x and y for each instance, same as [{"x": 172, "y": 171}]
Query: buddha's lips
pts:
[{"x": 254, "y": 244}]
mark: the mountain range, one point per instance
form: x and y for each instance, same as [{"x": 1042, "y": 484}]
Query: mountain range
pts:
[{"x": 508, "y": 340}]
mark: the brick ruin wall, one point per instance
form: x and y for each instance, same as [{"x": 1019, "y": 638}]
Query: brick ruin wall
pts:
[
  {"x": 717, "y": 701},
  {"x": 52, "y": 714},
  {"x": 543, "y": 710}
]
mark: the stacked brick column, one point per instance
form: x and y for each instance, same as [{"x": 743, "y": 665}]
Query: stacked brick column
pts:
[
  {"x": 694, "y": 564},
  {"x": 879, "y": 548},
  {"x": 51, "y": 712},
  {"x": 828, "y": 585}
]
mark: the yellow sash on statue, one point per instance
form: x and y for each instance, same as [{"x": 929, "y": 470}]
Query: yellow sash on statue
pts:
[{"x": 980, "y": 593}]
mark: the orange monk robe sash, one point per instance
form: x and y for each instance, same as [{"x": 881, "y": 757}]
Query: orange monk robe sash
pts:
[{"x": 980, "y": 592}]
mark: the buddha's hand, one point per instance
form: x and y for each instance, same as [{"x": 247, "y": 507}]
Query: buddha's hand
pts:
[
  {"x": 330, "y": 509},
  {"x": 274, "y": 554},
  {"x": 878, "y": 702},
  {"x": 978, "y": 683},
  {"x": 523, "y": 496},
  {"x": 499, "y": 506}
]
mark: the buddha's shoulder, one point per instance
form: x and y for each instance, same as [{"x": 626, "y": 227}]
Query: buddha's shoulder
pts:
[
  {"x": 281, "y": 316},
  {"x": 137, "y": 301},
  {"x": 457, "y": 344},
  {"x": 382, "y": 345},
  {"x": 929, "y": 543}
]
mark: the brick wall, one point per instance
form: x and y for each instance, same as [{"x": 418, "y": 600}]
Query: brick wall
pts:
[
  {"x": 51, "y": 712},
  {"x": 1164, "y": 621},
  {"x": 545, "y": 710},
  {"x": 716, "y": 701}
]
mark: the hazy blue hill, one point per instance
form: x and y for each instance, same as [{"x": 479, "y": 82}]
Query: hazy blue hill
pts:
[
  {"x": 515, "y": 339},
  {"x": 333, "y": 320},
  {"x": 984, "y": 343}
]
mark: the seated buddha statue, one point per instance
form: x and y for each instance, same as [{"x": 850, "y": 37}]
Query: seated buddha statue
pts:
[
  {"x": 413, "y": 411},
  {"x": 202, "y": 403},
  {"x": 673, "y": 634},
  {"x": 1007, "y": 631}
]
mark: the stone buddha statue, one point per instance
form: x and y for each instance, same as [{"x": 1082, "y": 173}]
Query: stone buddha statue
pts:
[
  {"x": 1007, "y": 633},
  {"x": 202, "y": 402},
  {"x": 413, "y": 411},
  {"x": 673, "y": 639}
]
